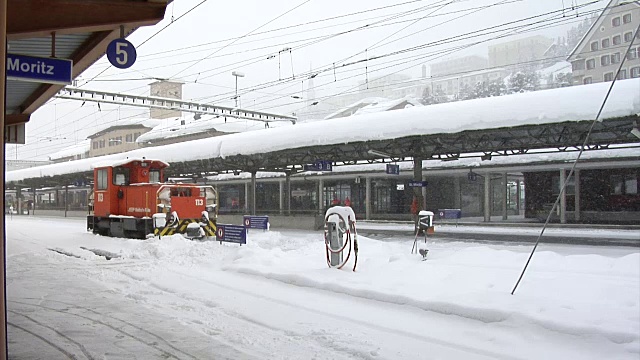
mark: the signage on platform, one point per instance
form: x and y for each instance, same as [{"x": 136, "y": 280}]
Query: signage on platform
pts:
[
  {"x": 39, "y": 69},
  {"x": 320, "y": 165},
  {"x": 121, "y": 53},
  {"x": 393, "y": 169},
  {"x": 450, "y": 213},
  {"x": 256, "y": 222},
  {"x": 418, "y": 183},
  {"x": 231, "y": 233}
]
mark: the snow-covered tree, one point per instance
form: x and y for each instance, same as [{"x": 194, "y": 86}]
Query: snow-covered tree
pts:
[
  {"x": 524, "y": 81},
  {"x": 436, "y": 97}
]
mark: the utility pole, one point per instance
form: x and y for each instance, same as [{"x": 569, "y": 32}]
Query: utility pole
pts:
[{"x": 237, "y": 74}]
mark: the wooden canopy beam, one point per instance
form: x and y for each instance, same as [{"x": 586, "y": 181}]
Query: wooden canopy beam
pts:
[{"x": 37, "y": 18}]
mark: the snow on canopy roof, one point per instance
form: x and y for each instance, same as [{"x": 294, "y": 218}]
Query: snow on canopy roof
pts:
[
  {"x": 124, "y": 161},
  {"x": 387, "y": 105},
  {"x": 78, "y": 149},
  {"x": 356, "y": 105},
  {"x": 173, "y": 128},
  {"x": 578, "y": 103}
]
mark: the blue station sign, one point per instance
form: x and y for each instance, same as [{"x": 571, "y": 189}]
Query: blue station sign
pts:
[
  {"x": 393, "y": 169},
  {"x": 320, "y": 165},
  {"x": 121, "y": 53},
  {"x": 256, "y": 222},
  {"x": 39, "y": 69},
  {"x": 418, "y": 183},
  {"x": 231, "y": 233}
]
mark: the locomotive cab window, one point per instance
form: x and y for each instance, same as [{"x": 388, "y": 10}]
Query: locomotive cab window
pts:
[
  {"x": 181, "y": 192},
  {"x": 102, "y": 179},
  {"x": 154, "y": 176},
  {"x": 120, "y": 176}
]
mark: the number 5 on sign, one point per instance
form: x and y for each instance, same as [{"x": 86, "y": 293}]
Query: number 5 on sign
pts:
[{"x": 121, "y": 53}]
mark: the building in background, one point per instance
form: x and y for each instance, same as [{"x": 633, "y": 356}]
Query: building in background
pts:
[
  {"x": 453, "y": 85},
  {"x": 120, "y": 137},
  {"x": 519, "y": 54},
  {"x": 169, "y": 90},
  {"x": 458, "y": 66},
  {"x": 597, "y": 56},
  {"x": 73, "y": 152}
]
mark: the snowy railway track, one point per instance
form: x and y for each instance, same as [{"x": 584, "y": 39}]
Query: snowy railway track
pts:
[
  {"x": 43, "y": 339},
  {"x": 79, "y": 345},
  {"x": 166, "y": 354},
  {"x": 323, "y": 339}
]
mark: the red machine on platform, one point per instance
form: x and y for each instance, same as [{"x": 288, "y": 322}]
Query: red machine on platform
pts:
[{"x": 130, "y": 200}]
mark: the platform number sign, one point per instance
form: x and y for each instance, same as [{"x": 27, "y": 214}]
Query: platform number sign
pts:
[{"x": 121, "y": 53}]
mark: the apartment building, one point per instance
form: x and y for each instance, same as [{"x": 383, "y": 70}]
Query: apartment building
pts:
[{"x": 597, "y": 56}]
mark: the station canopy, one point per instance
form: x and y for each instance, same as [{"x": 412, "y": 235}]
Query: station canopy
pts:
[
  {"x": 514, "y": 124},
  {"x": 78, "y": 30}
]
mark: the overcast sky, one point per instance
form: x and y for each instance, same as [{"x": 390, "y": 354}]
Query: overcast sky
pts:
[{"x": 203, "y": 47}]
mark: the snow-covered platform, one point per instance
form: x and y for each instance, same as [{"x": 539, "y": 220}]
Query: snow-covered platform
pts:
[{"x": 276, "y": 298}]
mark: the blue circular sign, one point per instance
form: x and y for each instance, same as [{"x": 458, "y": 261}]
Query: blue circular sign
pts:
[{"x": 121, "y": 53}]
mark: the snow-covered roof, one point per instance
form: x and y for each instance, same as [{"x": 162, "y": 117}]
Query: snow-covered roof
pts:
[
  {"x": 468, "y": 74},
  {"x": 387, "y": 105},
  {"x": 356, "y": 105},
  {"x": 577, "y": 103},
  {"x": 78, "y": 149},
  {"x": 124, "y": 161},
  {"x": 557, "y": 68},
  {"x": 142, "y": 122},
  {"x": 207, "y": 123}
]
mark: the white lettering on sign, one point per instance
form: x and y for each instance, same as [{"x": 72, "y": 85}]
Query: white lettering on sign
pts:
[
  {"x": 199, "y": 202},
  {"x": 138, "y": 210},
  {"x": 100, "y": 197},
  {"x": 37, "y": 68}
]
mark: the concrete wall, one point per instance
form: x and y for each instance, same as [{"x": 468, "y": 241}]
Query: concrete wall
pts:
[{"x": 302, "y": 222}]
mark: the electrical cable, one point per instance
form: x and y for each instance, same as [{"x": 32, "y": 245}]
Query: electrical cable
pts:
[
  {"x": 454, "y": 38},
  {"x": 573, "y": 167},
  {"x": 445, "y": 53},
  {"x": 151, "y": 37},
  {"x": 65, "y": 115},
  {"x": 241, "y": 37}
]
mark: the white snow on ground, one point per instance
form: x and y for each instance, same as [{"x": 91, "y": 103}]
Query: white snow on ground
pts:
[{"x": 276, "y": 298}]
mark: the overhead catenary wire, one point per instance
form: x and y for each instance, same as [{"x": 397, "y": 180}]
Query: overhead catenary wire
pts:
[
  {"x": 402, "y": 69},
  {"x": 298, "y": 75},
  {"x": 255, "y": 60},
  {"x": 575, "y": 163},
  {"x": 329, "y": 97},
  {"x": 334, "y": 79},
  {"x": 290, "y": 27},
  {"x": 150, "y": 37},
  {"x": 460, "y": 37},
  {"x": 431, "y": 56},
  {"x": 241, "y": 37}
]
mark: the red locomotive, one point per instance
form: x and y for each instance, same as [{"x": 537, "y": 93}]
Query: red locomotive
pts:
[{"x": 130, "y": 200}]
